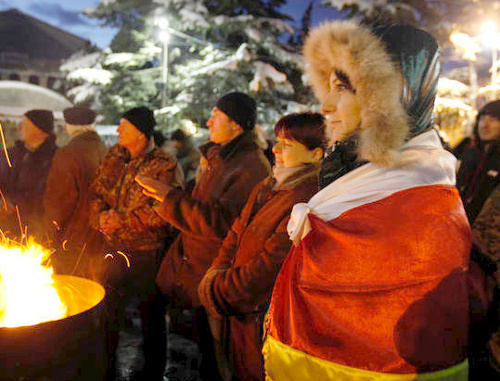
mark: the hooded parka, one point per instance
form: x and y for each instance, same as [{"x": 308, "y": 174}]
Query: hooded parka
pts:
[{"x": 374, "y": 287}]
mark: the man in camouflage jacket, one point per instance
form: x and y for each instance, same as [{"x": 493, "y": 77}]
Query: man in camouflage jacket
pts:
[{"x": 125, "y": 216}]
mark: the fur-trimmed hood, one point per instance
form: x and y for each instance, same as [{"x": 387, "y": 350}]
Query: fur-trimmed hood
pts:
[{"x": 376, "y": 78}]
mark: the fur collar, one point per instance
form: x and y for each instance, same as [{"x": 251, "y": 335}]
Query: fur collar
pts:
[{"x": 377, "y": 80}]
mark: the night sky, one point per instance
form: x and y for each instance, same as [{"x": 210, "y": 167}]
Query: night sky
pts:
[{"x": 65, "y": 14}]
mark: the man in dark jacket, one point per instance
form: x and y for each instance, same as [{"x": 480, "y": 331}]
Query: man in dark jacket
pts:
[
  {"x": 234, "y": 164},
  {"x": 125, "y": 217},
  {"x": 23, "y": 184},
  {"x": 66, "y": 215}
]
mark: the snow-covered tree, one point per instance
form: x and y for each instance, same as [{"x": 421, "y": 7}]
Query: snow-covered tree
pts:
[
  {"x": 439, "y": 17},
  {"x": 215, "y": 47},
  {"x": 454, "y": 113}
]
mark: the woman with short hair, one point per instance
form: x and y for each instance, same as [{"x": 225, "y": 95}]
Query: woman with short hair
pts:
[{"x": 237, "y": 287}]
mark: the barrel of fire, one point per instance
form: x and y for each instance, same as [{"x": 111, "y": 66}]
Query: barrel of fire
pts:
[{"x": 71, "y": 348}]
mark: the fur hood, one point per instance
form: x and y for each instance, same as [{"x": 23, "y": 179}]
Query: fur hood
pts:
[{"x": 376, "y": 78}]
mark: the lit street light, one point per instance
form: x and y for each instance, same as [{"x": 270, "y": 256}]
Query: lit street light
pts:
[
  {"x": 164, "y": 36},
  {"x": 469, "y": 49},
  {"x": 490, "y": 36}
]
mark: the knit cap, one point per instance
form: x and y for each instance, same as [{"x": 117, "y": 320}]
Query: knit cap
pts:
[
  {"x": 239, "y": 107},
  {"x": 79, "y": 116},
  {"x": 43, "y": 119},
  {"x": 142, "y": 118}
]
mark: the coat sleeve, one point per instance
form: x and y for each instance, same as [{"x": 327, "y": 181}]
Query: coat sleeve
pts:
[
  {"x": 245, "y": 289},
  {"x": 97, "y": 199},
  {"x": 225, "y": 256},
  {"x": 209, "y": 219},
  {"x": 61, "y": 192},
  {"x": 145, "y": 217},
  {"x": 229, "y": 246}
]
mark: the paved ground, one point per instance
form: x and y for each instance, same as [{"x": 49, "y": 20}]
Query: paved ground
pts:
[{"x": 183, "y": 357}]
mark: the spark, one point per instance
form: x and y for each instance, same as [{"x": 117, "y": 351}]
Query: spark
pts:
[
  {"x": 56, "y": 225},
  {"x": 79, "y": 257},
  {"x": 108, "y": 256},
  {"x": 64, "y": 245},
  {"x": 3, "y": 200},
  {"x": 124, "y": 256},
  {"x": 21, "y": 230},
  {"x": 5, "y": 146}
]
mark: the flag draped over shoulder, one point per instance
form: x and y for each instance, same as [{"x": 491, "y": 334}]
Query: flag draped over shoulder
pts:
[{"x": 375, "y": 285}]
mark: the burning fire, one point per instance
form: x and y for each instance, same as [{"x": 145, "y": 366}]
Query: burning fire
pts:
[{"x": 27, "y": 292}]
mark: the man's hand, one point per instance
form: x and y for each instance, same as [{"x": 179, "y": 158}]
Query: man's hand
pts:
[
  {"x": 153, "y": 188},
  {"x": 109, "y": 221}
]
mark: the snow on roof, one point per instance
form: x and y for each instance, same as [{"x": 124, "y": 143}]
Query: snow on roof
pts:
[{"x": 22, "y": 95}]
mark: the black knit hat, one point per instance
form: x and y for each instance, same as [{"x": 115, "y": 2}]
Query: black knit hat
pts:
[
  {"x": 142, "y": 118},
  {"x": 79, "y": 116},
  {"x": 43, "y": 119},
  {"x": 239, "y": 107}
]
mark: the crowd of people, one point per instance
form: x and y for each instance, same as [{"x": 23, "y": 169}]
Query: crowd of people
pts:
[{"x": 347, "y": 258}]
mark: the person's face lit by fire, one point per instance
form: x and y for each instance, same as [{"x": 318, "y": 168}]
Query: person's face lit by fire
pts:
[
  {"x": 130, "y": 137},
  {"x": 222, "y": 128},
  {"x": 291, "y": 153},
  {"x": 488, "y": 128},
  {"x": 341, "y": 109},
  {"x": 29, "y": 133}
]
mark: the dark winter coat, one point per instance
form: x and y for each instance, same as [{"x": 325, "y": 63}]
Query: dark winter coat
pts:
[
  {"x": 24, "y": 183},
  {"x": 66, "y": 197},
  {"x": 478, "y": 176},
  {"x": 241, "y": 279},
  {"x": 114, "y": 187},
  {"x": 205, "y": 217}
]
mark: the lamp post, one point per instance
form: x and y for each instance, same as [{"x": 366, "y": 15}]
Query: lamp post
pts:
[
  {"x": 469, "y": 49},
  {"x": 490, "y": 35},
  {"x": 164, "y": 36}
]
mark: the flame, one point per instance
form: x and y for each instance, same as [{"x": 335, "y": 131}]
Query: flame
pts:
[{"x": 27, "y": 292}]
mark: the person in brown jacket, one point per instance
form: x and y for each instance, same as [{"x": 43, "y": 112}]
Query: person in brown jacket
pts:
[
  {"x": 237, "y": 287},
  {"x": 234, "y": 165},
  {"x": 23, "y": 183},
  {"x": 127, "y": 220},
  {"x": 66, "y": 197}
]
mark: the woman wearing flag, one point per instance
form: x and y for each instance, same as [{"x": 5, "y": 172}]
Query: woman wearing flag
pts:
[{"x": 374, "y": 287}]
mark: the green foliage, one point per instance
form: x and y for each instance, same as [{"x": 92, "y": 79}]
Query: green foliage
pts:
[{"x": 215, "y": 47}]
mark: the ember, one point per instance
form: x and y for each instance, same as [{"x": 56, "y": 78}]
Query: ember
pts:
[{"x": 27, "y": 292}]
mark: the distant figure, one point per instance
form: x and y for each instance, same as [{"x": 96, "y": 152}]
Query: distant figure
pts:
[
  {"x": 478, "y": 173},
  {"x": 127, "y": 219},
  {"x": 66, "y": 197},
  {"x": 24, "y": 184},
  {"x": 159, "y": 138},
  {"x": 188, "y": 156},
  {"x": 265, "y": 143}
]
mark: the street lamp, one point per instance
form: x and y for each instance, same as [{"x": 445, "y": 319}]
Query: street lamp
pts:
[
  {"x": 469, "y": 49},
  {"x": 164, "y": 36},
  {"x": 490, "y": 36}
]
